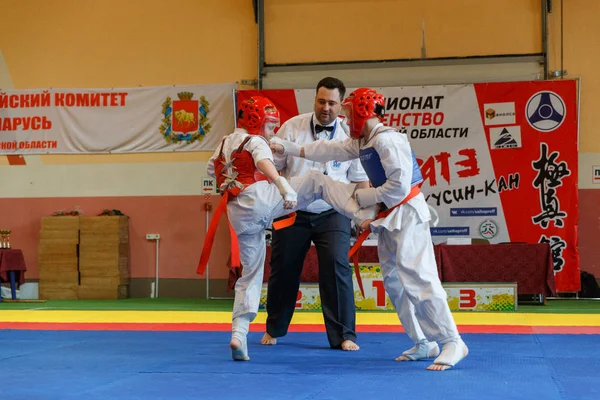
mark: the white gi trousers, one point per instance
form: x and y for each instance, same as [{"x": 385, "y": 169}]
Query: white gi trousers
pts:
[
  {"x": 411, "y": 279},
  {"x": 253, "y": 211}
]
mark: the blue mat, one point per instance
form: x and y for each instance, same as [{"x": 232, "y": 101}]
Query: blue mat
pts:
[{"x": 197, "y": 365}]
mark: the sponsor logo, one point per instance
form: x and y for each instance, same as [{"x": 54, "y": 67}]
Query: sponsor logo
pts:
[
  {"x": 506, "y": 137},
  {"x": 545, "y": 111},
  {"x": 488, "y": 229},
  {"x": 499, "y": 113}
]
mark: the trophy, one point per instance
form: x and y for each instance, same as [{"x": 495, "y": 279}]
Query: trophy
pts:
[{"x": 5, "y": 239}]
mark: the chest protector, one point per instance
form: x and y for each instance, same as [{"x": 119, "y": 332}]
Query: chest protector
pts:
[
  {"x": 244, "y": 173},
  {"x": 371, "y": 163}
]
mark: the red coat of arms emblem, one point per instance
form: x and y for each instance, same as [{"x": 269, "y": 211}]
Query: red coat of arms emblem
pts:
[
  {"x": 185, "y": 120},
  {"x": 185, "y": 113}
]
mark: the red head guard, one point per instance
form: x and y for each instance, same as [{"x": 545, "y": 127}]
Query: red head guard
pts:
[
  {"x": 256, "y": 113},
  {"x": 361, "y": 105}
]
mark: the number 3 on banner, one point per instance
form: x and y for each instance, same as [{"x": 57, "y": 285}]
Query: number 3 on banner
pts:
[{"x": 467, "y": 298}]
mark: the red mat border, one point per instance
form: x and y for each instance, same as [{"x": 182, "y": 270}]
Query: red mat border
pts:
[{"x": 118, "y": 326}]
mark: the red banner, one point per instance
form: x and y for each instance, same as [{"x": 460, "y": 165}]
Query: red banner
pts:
[
  {"x": 544, "y": 208},
  {"x": 499, "y": 160}
]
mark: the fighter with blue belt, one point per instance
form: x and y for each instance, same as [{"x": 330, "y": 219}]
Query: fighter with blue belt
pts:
[{"x": 404, "y": 241}]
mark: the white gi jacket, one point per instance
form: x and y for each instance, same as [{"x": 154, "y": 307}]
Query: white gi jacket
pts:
[{"x": 396, "y": 158}]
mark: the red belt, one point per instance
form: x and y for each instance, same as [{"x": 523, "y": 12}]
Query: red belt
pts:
[
  {"x": 235, "y": 246},
  {"x": 353, "y": 253},
  {"x": 212, "y": 230},
  {"x": 285, "y": 222}
]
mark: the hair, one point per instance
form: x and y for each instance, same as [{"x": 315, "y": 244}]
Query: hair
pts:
[{"x": 332, "y": 83}]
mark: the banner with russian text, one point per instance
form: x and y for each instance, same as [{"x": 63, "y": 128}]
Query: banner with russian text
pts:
[
  {"x": 499, "y": 160},
  {"x": 131, "y": 120}
]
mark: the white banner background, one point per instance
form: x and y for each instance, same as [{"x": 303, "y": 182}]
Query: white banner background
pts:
[
  {"x": 129, "y": 120},
  {"x": 461, "y": 114},
  {"x": 457, "y": 106}
]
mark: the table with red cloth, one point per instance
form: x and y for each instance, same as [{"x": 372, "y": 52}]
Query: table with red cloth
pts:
[
  {"x": 12, "y": 260},
  {"x": 12, "y": 268},
  {"x": 528, "y": 264}
]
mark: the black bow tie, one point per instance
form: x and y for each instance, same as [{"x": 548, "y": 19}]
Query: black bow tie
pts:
[{"x": 321, "y": 128}]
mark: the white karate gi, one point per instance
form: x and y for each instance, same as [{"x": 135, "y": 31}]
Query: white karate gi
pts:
[
  {"x": 404, "y": 245},
  {"x": 253, "y": 210}
]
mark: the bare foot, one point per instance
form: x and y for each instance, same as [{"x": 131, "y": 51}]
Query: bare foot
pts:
[
  {"x": 268, "y": 340},
  {"x": 451, "y": 354},
  {"x": 438, "y": 367},
  {"x": 349, "y": 345}
]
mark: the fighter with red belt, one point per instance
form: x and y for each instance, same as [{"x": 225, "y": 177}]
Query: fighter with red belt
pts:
[{"x": 253, "y": 195}]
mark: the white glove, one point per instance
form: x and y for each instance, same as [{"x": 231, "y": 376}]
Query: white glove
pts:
[
  {"x": 285, "y": 147},
  {"x": 366, "y": 197},
  {"x": 290, "y": 197}
]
